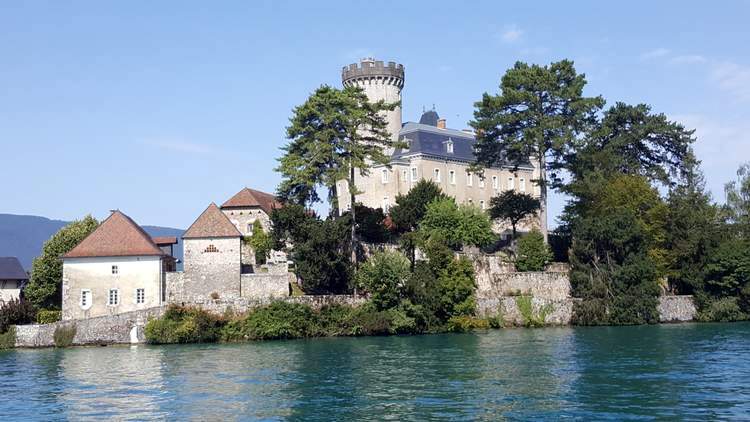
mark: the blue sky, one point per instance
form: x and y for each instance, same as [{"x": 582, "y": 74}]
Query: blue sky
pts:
[{"x": 159, "y": 108}]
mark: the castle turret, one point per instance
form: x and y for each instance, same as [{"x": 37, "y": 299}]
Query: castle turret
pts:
[{"x": 380, "y": 82}]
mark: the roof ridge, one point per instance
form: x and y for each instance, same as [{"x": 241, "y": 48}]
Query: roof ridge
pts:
[{"x": 206, "y": 225}]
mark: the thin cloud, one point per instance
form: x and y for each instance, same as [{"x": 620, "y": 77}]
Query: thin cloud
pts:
[
  {"x": 178, "y": 145},
  {"x": 511, "y": 34},
  {"x": 689, "y": 59},
  {"x": 655, "y": 53},
  {"x": 733, "y": 78}
]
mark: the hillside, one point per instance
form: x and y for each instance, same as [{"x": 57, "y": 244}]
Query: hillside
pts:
[{"x": 23, "y": 235}]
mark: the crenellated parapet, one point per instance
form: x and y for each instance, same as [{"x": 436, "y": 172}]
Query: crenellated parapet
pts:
[{"x": 373, "y": 71}]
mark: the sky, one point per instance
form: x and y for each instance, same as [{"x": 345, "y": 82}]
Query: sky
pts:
[{"x": 160, "y": 108}]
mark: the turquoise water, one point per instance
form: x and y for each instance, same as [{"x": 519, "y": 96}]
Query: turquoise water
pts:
[{"x": 688, "y": 371}]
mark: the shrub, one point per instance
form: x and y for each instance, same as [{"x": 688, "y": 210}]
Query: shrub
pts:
[
  {"x": 8, "y": 338},
  {"x": 184, "y": 325},
  {"x": 48, "y": 316},
  {"x": 533, "y": 253},
  {"x": 458, "y": 225},
  {"x": 64, "y": 335},
  {"x": 465, "y": 323},
  {"x": 384, "y": 276},
  {"x": 366, "y": 320},
  {"x": 16, "y": 312},
  {"x": 526, "y": 309},
  {"x": 261, "y": 243},
  {"x": 721, "y": 310},
  {"x": 279, "y": 320},
  {"x": 456, "y": 287}
]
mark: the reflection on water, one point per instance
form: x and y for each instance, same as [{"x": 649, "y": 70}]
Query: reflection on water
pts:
[{"x": 694, "y": 371}]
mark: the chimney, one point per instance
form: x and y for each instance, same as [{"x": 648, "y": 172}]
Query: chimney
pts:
[{"x": 441, "y": 124}]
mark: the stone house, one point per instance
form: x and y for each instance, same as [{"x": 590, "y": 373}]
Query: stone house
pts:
[
  {"x": 117, "y": 268},
  {"x": 13, "y": 279},
  {"x": 243, "y": 209},
  {"x": 214, "y": 252}
]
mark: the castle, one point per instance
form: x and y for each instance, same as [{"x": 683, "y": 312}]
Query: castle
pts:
[{"x": 432, "y": 151}]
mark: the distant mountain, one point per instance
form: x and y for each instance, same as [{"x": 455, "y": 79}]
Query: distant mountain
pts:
[{"x": 22, "y": 236}]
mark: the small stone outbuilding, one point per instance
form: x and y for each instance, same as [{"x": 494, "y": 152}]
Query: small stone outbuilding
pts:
[{"x": 13, "y": 278}]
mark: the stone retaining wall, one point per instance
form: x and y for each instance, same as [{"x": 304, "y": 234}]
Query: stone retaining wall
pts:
[
  {"x": 560, "y": 311},
  {"x": 112, "y": 329},
  {"x": 676, "y": 308},
  {"x": 243, "y": 304}
]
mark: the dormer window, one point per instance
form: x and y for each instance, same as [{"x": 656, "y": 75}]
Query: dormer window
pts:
[
  {"x": 449, "y": 146},
  {"x": 407, "y": 144}
]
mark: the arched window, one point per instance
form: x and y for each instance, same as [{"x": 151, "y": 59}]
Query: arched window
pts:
[{"x": 436, "y": 175}]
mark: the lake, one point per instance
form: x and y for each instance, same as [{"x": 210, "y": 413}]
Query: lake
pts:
[{"x": 685, "y": 371}]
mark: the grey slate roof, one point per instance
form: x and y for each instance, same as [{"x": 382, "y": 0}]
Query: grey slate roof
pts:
[
  {"x": 11, "y": 269},
  {"x": 430, "y": 142}
]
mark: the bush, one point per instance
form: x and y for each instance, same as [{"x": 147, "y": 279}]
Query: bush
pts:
[
  {"x": 458, "y": 225},
  {"x": 8, "y": 338},
  {"x": 530, "y": 317},
  {"x": 16, "y": 312},
  {"x": 366, "y": 320},
  {"x": 64, "y": 335},
  {"x": 184, "y": 325},
  {"x": 456, "y": 287},
  {"x": 465, "y": 323},
  {"x": 279, "y": 320},
  {"x": 384, "y": 276},
  {"x": 48, "y": 316},
  {"x": 533, "y": 253},
  {"x": 725, "y": 309}
]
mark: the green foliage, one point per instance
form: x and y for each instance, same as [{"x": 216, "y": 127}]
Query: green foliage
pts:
[
  {"x": 16, "y": 312},
  {"x": 45, "y": 287},
  {"x": 384, "y": 276},
  {"x": 261, "y": 243},
  {"x": 458, "y": 225},
  {"x": 723, "y": 309},
  {"x": 533, "y": 253},
  {"x": 513, "y": 206},
  {"x": 466, "y": 323},
  {"x": 737, "y": 208},
  {"x": 371, "y": 225},
  {"x": 183, "y": 325},
  {"x": 411, "y": 208},
  {"x": 64, "y": 335},
  {"x": 289, "y": 225},
  {"x": 48, "y": 316},
  {"x": 728, "y": 269},
  {"x": 456, "y": 288},
  {"x": 8, "y": 338},
  {"x": 321, "y": 257},
  {"x": 530, "y": 317},
  {"x": 280, "y": 320}
]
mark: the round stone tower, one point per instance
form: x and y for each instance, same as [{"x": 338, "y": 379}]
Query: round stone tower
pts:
[{"x": 380, "y": 82}]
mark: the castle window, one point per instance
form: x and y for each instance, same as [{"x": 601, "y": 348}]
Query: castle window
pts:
[
  {"x": 452, "y": 177},
  {"x": 481, "y": 182},
  {"x": 114, "y": 297},
  {"x": 495, "y": 183},
  {"x": 469, "y": 179},
  {"x": 471, "y": 201},
  {"x": 436, "y": 175},
  {"x": 522, "y": 184},
  {"x": 115, "y": 270},
  {"x": 384, "y": 176},
  {"x": 249, "y": 227},
  {"x": 413, "y": 174},
  {"x": 386, "y": 204},
  {"x": 407, "y": 144},
  {"x": 85, "y": 298},
  {"x": 405, "y": 175},
  {"x": 481, "y": 204},
  {"x": 210, "y": 249},
  {"x": 140, "y": 296},
  {"x": 510, "y": 183}
]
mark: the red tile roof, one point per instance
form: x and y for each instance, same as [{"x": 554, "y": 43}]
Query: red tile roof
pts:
[
  {"x": 212, "y": 223},
  {"x": 118, "y": 235},
  {"x": 164, "y": 240},
  {"x": 253, "y": 198}
]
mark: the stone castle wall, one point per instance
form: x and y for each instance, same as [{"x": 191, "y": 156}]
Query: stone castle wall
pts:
[
  {"x": 212, "y": 267},
  {"x": 677, "y": 308}
]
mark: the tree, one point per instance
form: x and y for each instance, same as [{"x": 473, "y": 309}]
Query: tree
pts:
[
  {"x": 738, "y": 200},
  {"x": 289, "y": 224},
  {"x": 458, "y": 225},
  {"x": 533, "y": 253},
  {"x": 261, "y": 243},
  {"x": 514, "y": 207},
  {"x": 384, "y": 275},
  {"x": 538, "y": 115},
  {"x": 45, "y": 287},
  {"x": 408, "y": 213},
  {"x": 334, "y": 135},
  {"x": 371, "y": 224},
  {"x": 320, "y": 256}
]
